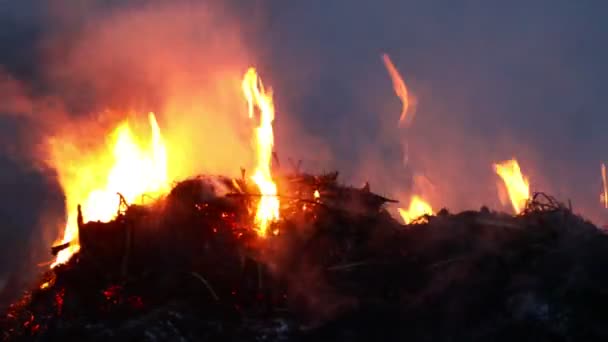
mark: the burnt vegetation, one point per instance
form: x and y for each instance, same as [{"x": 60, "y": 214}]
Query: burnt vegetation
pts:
[{"x": 190, "y": 267}]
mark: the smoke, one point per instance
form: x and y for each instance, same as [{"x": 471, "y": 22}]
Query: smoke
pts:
[
  {"x": 88, "y": 67},
  {"x": 492, "y": 81}
]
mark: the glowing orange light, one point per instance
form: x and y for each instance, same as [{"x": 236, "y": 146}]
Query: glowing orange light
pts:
[
  {"x": 134, "y": 171},
  {"x": 400, "y": 89},
  {"x": 516, "y": 183},
  {"x": 418, "y": 208},
  {"x": 256, "y": 96}
]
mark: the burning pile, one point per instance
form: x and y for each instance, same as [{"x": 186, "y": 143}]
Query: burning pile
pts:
[
  {"x": 277, "y": 254},
  {"x": 189, "y": 266}
]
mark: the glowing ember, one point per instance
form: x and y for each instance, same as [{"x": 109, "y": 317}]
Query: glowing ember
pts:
[
  {"x": 133, "y": 172},
  {"x": 605, "y": 185},
  {"x": 268, "y": 207},
  {"x": 418, "y": 208},
  {"x": 517, "y": 185},
  {"x": 400, "y": 88}
]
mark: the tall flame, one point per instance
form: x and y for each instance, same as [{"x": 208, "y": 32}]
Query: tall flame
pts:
[
  {"x": 605, "y": 185},
  {"x": 256, "y": 96},
  {"x": 135, "y": 171},
  {"x": 400, "y": 88},
  {"x": 418, "y": 207},
  {"x": 516, "y": 183}
]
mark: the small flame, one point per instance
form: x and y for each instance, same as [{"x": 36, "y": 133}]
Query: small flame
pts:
[
  {"x": 256, "y": 96},
  {"x": 400, "y": 88},
  {"x": 605, "y": 185},
  {"x": 418, "y": 208},
  {"x": 516, "y": 183},
  {"x": 317, "y": 195},
  {"x": 134, "y": 172}
]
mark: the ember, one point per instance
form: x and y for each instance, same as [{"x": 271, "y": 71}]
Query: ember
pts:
[{"x": 59, "y": 300}]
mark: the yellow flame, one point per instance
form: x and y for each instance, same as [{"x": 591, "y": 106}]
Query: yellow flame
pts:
[
  {"x": 605, "y": 185},
  {"x": 516, "y": 183},
  {"x": 418, "y": 207},
  {"x": 317, "y": 195},
  {"x": 399, "y": 87},
  {"x": 135, "y": 171},
  {"x": 256, "y": 96}
]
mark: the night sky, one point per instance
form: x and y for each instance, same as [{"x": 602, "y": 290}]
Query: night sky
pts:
[{"x": 493, "y": 80}]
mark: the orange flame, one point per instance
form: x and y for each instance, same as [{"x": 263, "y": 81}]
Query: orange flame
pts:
[
  {"x": 268, "y": 207},
  {"x": 418, "y": 208},
  {"x": 605, "y": 185},
  {"x": 133, "y": 172},
  {"x": 516, "y": 183},
  {"x": 400, "y": 88}
]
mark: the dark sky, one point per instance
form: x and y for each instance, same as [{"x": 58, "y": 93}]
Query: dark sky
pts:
[{"x": 493, "y": 79}]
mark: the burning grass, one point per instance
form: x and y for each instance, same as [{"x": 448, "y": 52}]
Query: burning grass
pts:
[{"x": 191, "y": 266}]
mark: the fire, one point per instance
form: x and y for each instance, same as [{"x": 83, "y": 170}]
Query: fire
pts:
[
  {"x": 516, "y": 183},
  {"x": 418, "y": 208},
  {"x": 316, "y": 194},
  {"x": 605, "y": 185},
  {"x": 399, "y": 86},
  {"x": 256, "y": 96},
  {"x": 134, "y": 171}
]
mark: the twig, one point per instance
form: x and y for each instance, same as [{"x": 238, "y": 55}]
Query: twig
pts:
[
  {"x": 207, "y": 285},
  {"x": 56, "y": 249},
  {"x": 343, "y": 267},
  {"x": 294, "y": 166},
  {"x": 543, "y": 202},
  {"x": 125, "y": 258},
  {"x": 447, "y": 261},
  {"x": 260, "y": 277},
  {"x": 122, "y": 201},
  {"x": 498, "y": 223},
  {"x": 244, "y": 194}
]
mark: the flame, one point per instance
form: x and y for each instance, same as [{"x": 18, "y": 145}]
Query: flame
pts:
[
  {"x": 418, "y": 208},
  {"x": 134, "y": 171},
  {"x": 516, "y": 183},
  {"x": 256, "y": 96},
  {"x": 605, "y": 185},
  {"x": 317, "y": 195},
  {"x": 400, "y": 88}
]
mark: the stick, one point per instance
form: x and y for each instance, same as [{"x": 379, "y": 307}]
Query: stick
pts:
[
  {"x": 56, "y": 249},
  {"x": 204, "y": 281},
  {"x": 125, "y": 258},
  {"x": 343, "y": 267}
]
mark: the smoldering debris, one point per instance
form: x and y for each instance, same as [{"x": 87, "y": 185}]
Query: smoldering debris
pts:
[{"x": 189, "y": 267}]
